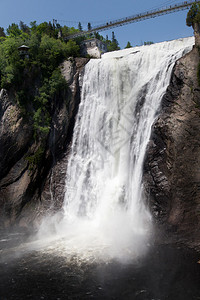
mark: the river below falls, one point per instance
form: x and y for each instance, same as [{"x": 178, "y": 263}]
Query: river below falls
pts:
[{"x": 167, "y": 271}]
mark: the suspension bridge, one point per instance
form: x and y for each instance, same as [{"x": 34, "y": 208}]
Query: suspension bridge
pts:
[{"x": 136, "y": 18}]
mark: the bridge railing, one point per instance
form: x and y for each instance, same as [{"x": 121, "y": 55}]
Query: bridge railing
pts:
[{"x": 136, "y": 18}]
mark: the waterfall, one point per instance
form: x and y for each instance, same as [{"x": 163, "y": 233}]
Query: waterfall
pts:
[{"x": 105, "y": 210}]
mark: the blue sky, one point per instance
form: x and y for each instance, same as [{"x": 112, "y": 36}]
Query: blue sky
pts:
[{"x": 97, "y": 12}]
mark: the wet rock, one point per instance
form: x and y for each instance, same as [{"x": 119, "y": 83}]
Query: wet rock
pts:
[
  {"x": 171, "y": 169},
  {"x": 26, "y": 193}
]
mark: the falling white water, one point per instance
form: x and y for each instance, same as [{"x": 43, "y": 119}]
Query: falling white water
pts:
[{"x": 104, "y": 208}]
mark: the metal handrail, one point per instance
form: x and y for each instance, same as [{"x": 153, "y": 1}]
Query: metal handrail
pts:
[{"x": 135, "y": 18}]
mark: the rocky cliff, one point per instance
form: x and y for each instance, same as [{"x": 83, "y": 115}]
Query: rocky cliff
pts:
[
  {"x": 27, "y": 191},
  {"x": 172, "y": 165}
]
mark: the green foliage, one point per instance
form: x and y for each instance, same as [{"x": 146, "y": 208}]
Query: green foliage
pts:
[
  {"x": 46, "y": 52},
  {"x": 68, "y": 31},
  {"x": 13, "y": 30},
  {"x": 51, "y": 53},
  {"x": 51, "y": 88},
  {"x": 98, "y": 36},
  {"x": 128, "y": 45},
  {"x": 36, "y": 80},
  {"x": 36, "y": 158},
  {"x": 2, "y": 33},
  {"x": 10, "y": 62},
  {"x": 56, "y": 83},
  {"x": 24, "y": 28},
  {"x": 43, "y": 28},
  {"x": 193, "y": 15},
  {"x": 80, "y": 28},
  {"x": 72, "y": 49},
  {"x": 48, "y": 29},
  {"x": 33, "y": 26},
  {"x": 112, "y": 45},
  {"x": 34, "y": 44},
  {"x": 41, "y": 122}
]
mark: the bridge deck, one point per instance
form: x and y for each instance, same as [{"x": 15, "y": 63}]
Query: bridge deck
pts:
[{"x": 136, "y": 18}]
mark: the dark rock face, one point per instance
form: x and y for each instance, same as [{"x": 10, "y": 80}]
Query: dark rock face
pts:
[
  {"x": 26, "y": 193},
  {"x": 172, "y": 165}
]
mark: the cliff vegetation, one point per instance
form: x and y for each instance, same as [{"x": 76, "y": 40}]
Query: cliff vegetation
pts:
[{"x": 37, "y": 109}]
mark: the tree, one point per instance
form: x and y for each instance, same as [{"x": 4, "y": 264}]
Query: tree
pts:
[
  {"x": 10, "y": 63},
  {"x": 2, "y": 33},
  {"x": 113, "y": 36},
  {"x": 43, "y": 28},
  {"x": 128, "y": 45},
  {"x": 72, "y": 48},
  {"x": 115, "y": 41},
  {"x": 33, "y": 26},
  {"x": 193, "y": 15},
  {"x": 34, "y": 44},
  {"x": 80, "y": 28},
  {"x": 89, "y": 26},
  {"x": 24, "y": 27},
  {"x": 97, "y": 36},
  {"x": 14, "y": 30},
  {"x": 113, "y": 45},
  {"x": 51, "y": 53}
]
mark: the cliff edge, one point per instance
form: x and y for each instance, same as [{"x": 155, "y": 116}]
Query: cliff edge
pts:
[{"x": 172, "y": 165}]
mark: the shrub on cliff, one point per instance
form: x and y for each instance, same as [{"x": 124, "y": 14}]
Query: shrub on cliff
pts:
[{"x": 35, "y": 80}]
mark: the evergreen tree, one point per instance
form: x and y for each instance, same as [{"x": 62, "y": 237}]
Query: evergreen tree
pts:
[
  {"x": 113, "y": 45},
  {"x": 89, "y": 26},
  {"x": 80, "y": 28},
  {"x": 113, "y": 37},
  {"x": 128, "y": 45},
  {"x": 33, "y": 26},
  {"x": 97, "y": 36},
  {"x": 24, "y": 27},
  {"x": 2, "y": 33},
  {"x": 51, "y": 30}
]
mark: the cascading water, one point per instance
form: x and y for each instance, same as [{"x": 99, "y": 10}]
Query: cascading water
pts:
[
  {"x": 104, "y": 211},
  {"x": 104, "y": 218}
]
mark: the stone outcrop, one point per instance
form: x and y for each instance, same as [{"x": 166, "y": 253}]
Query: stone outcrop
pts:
[
  {"x": 26, "y": 193},
  {"x": 172, "y": 164},
  {"x": 196, "y": 28}
]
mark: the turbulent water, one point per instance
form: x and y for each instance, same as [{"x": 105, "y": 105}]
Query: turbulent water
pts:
[{"x": 105, "y": 212}]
